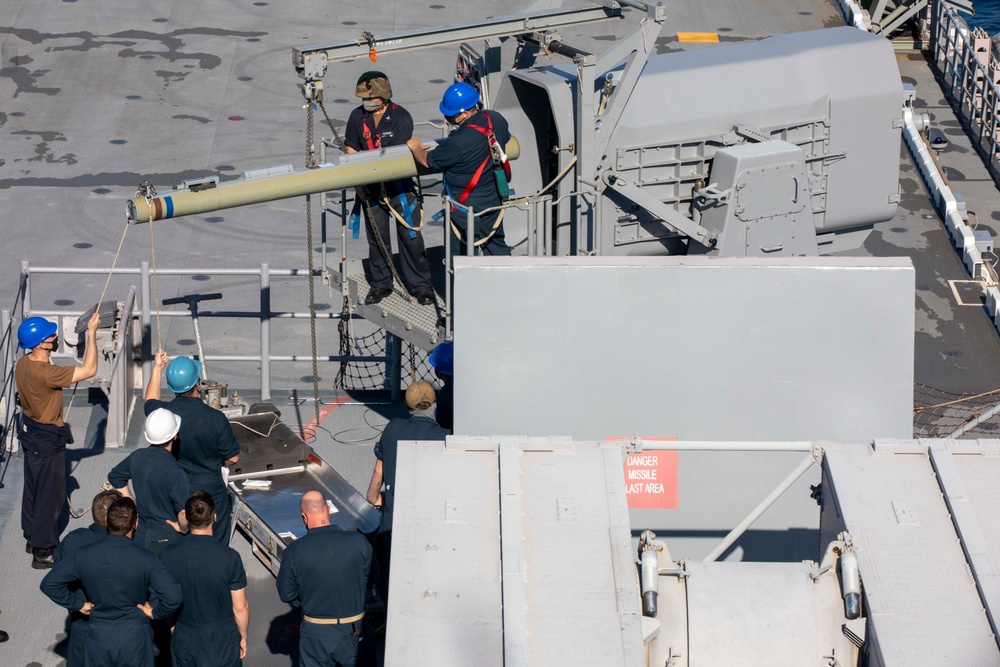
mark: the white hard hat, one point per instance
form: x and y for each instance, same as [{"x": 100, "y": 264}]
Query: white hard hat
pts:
[{"x": 161, "y": 426}]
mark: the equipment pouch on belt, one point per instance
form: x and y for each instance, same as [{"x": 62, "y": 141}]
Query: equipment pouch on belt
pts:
[
  {"x": 503, "y": 189},
  {"x": 45, "y": 438}
]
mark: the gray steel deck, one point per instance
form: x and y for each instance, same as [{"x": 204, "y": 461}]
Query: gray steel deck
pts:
[{"x": 99, "y": 95}]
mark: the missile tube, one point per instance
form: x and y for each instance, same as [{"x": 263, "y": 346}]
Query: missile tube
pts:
[{"x": 362, "y": 168}]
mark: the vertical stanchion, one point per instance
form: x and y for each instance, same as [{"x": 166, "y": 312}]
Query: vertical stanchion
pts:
[
  {"x": 9, "y": 441},
  {"x": 548, "y": 227},
  {"x": 396, "y": 360},
  {"x": 470, "y": 232},
  {"x": 147, "y": 341},
  {"x": 265, "y": 331},
  {"x": 343, "y": 243},
  {"x": 448, "y": 267},
  {"x": 26, "y": 299}
]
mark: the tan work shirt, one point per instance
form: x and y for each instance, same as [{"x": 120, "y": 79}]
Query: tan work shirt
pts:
[{"x": 39, "y": 386}]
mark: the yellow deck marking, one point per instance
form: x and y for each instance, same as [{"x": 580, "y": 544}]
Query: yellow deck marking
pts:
[{"x": 698, "y": 37}]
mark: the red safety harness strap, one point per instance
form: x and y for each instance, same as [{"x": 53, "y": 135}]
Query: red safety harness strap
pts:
[
  {"x": 479, "y": 172},
  {"x": 372, "y": 139}
]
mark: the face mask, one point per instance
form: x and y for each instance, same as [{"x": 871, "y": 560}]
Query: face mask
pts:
[
  {"x": 452, "y": 120},
  {"x": 54, "y": 345},
  {"x": 372, "y": 105}
]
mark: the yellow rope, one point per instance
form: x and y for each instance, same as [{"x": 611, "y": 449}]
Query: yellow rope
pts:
[
  {"x": 156, "y": 288},
  {"x": 957, "y": 400},
  {"x": 112, "y": 271}
]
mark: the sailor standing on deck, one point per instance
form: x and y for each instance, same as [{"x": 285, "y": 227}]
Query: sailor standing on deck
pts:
[
  {"x": 420, "y": 425},
  {"x": 442, "y": 360},
  {"x": 43, "y": 434},
  {"x": 207, "y": 441},
  {"x": 326, "y": 572},
  {"x": 81, "y": 537},
  {"x": 466, "y": 159},
  {"x": 379, "y": 123},
  {"x": 160, "y": 486},
  {"x": 123, "y": 587},
  {"x": 211, "y": 630}
]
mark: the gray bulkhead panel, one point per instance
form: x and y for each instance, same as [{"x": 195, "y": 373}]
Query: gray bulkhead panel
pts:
[
  {"x": 699, "y": 348},
  {"x": 922, "y": 603},
  {"x": 518, "y": 553}
]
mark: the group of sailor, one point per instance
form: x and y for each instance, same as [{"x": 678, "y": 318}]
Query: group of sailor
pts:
[
  {"x": 468, "y": 157},
  {"x": 158, "y": 551}
]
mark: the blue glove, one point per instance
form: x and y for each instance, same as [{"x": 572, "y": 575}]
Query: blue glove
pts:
[{"x": 354, "y": 223}]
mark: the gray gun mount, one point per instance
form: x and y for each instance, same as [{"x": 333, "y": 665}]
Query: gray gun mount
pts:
[{"x": 786, "y": 146}]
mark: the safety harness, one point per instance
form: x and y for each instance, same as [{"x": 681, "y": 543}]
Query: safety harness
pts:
[
  {"x": 499, "y": 160},
  {"x": 373, "y": 140}
]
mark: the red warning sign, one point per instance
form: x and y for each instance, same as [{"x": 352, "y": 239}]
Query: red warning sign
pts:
[{"x": 651, "y": 479}]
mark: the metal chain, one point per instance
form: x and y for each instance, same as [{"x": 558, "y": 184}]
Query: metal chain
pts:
[
  {"x": 345, "y": 343},
  {"x": 385, "y": 252},
  {"x": 310, "y": 162},
  {"x": 336, "y": 135},
  {"x": 413, "y": 362}
]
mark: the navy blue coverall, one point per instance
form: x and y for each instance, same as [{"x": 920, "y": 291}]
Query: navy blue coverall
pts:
[
  {"x": 206, "y": 634},
  {"x": 161, "y": 489},
  {"x": 326, "y": 573},
  {"x": 460, "y": 157},
  {"x": 116, "y": 575},
  {"x": 44, "y": 437},
  {"x": 445, "y": 413},
  {"x": 79, "y": 624},
  {"x": 206, "y": 442},
  {"x": 394, "y": 129},
  {"x": 416, "y": 427}
]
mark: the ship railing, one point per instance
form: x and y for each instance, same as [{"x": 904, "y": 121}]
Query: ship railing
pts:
[
  {"x": 137, "y": 322},
  {"x": 537, "y": 212},
  {"x": 8, "y": 348},
  {"x": 537, "y": 243},
  {"x": 969, "y": 82}
]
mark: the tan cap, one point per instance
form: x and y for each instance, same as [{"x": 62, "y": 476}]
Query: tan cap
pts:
[
  {"x": 419, "y": 396},
  {"x": 373, "y": 84}
]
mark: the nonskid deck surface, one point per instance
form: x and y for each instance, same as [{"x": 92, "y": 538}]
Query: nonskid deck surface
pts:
[{"x": 100, "y": 96}]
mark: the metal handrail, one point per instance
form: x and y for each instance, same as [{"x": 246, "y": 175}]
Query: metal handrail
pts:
[
  {"x": 7, "y": 351},
  {"x": 264, "y": 314},
  {"x": 968, "y": 83}
]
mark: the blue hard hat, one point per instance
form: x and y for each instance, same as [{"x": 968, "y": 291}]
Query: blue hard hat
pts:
[
  {"x": 458, "y": 98},
  {"x": 33, "y": 331},
  {"x": 442, "y": 358},
  {"x": 183, "y": 373}
]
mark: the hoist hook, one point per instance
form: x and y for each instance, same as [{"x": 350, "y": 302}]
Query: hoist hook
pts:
[{"x": 370, "y": 38}]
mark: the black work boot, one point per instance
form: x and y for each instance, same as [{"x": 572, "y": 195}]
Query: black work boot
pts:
[
  {"x": 41, "y": 559},
  {"x": 376, "y": 294}
]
